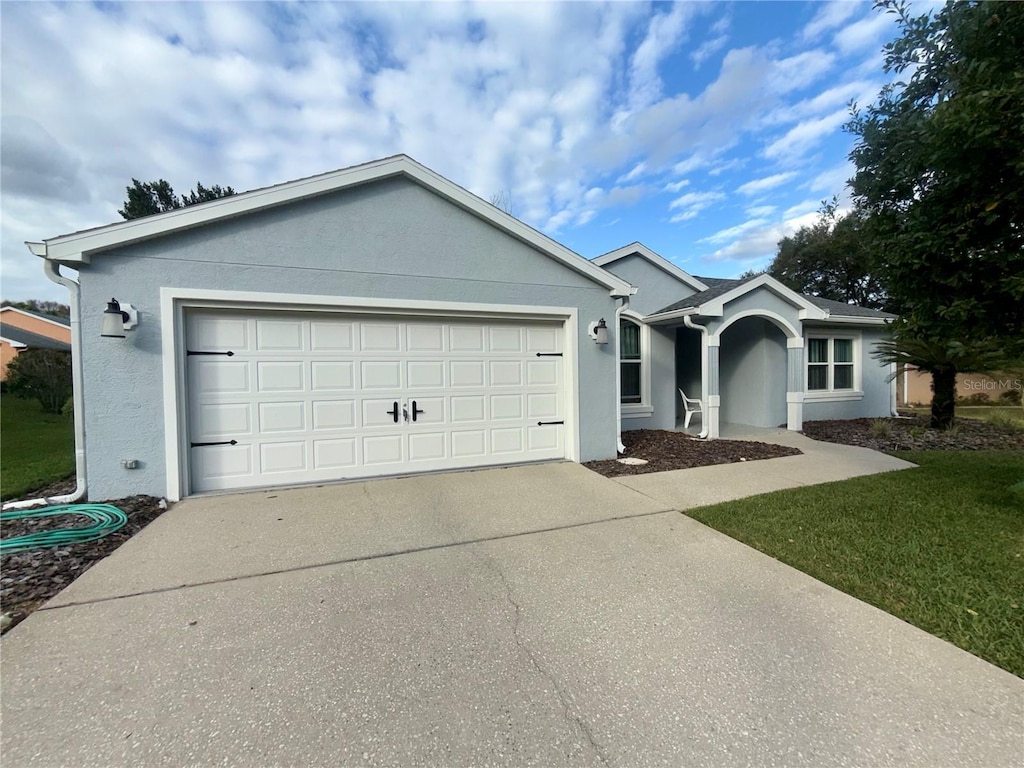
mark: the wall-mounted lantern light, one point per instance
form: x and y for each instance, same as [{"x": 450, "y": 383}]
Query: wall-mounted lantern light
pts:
[
  {"x": 599, "y": 332},
  {"x": 117, "y": 318}
]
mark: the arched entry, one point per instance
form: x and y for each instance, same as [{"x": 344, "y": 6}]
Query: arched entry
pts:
[{"x": 752, "y": 371}]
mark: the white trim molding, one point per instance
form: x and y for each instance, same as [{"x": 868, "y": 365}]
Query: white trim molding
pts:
[
  {"x": 641, "y": 250},
  {"x": 645, "y": 407},
  {"x": 832, "y": 394},
  {"x": 175, "y": 301},
  {"x": 776, "y": 319},
  {"x": 79, "y": 247},
  {"x": 808, "y": 311}
]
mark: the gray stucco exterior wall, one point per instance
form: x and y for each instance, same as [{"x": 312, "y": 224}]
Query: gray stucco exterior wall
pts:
[
  {"x": 662, "y": 363},
  {"x": 753, "y": 373},
  {"x": 390, "y": 240},
  {"x": 656, "y": 288}
]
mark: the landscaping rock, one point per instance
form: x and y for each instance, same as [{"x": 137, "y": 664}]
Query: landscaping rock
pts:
[{"x": 912, "y": 433}]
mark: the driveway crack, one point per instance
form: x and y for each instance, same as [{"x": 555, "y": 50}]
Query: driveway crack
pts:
[{"x": 574, "y": 721}]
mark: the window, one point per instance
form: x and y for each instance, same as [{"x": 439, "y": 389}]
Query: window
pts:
[
  {"x": 630, "y": 362},
  {"x": 830, "y": 364}
]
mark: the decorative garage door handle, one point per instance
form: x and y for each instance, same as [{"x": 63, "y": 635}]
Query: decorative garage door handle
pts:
[
  {"x": 394, "y": 412},
  {"x": 415, "y": 411},
  {"x": 549, "y": 354},
  {"x": 229, "y": 353},
  {"x": 545, "y": 423},
  {"x": 225, "y": 442}
]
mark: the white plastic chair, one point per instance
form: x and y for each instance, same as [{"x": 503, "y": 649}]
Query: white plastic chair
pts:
[{"x": 691, "y": 406}]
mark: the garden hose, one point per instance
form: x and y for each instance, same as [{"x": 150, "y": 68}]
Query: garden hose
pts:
[{"x": 105, "y": 518}]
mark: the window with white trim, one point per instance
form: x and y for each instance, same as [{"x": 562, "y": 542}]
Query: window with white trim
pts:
[
  {"x": 630, "y": 362},
  {"x": 831, "y": 365}
]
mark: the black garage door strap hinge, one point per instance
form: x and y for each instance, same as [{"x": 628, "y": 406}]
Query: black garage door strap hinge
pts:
[
  {"x": 203, "y": 445},
  {"x": 545, "y": 423},
  {"x": 549, "y": 354},
  {"x": 229, "y": 353}
]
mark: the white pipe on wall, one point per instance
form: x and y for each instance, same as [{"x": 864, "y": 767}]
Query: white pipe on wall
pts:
[{"x": 52, "y": 270}]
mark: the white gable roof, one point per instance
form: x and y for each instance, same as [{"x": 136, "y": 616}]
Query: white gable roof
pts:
[
  {"x": 79, "y": 247},
  {"x": 641, "y": 250}
]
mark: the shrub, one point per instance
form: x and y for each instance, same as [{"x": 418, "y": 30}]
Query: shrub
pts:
[
  {"x": 978, "y": 398},
  {"x": 881, "y": 428},
  {"x": 1010, "y": 397},
  {"x": 43, "y": 375}
]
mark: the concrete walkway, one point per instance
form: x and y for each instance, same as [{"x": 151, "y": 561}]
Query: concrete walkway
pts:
[
  {"x": 821, "y": 462},
  {"x": 533, "y": 616}
]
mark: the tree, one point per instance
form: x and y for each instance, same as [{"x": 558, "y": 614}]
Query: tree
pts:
[
  {"x": 149, "y": 197},
  {"x": 940, "y": 171},
  {"x": 53, "y": 308},
  {"x": 43, "y": 375},
  {"x": 834, "y": 258}
]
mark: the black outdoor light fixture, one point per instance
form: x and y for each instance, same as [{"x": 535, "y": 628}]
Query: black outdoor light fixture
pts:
[
  {"x": 118, "y": 318},
  {"x": 599, "y": 332}
]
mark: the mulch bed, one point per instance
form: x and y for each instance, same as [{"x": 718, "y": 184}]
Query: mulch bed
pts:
[
  {"x": 912, "y": 433},
  {"x": 665, "y": 450},
  {"x": 28, "y": 579}
]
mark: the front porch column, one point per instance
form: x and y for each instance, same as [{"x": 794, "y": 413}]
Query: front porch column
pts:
[
  {"x": 712, "y": 396},
  {"x": 795, "y": 384}
]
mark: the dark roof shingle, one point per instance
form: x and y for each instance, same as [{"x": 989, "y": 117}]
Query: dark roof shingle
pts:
[{"x": 31, "y": 340}]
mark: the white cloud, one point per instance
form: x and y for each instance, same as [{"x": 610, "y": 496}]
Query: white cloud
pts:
[
  {"x": 761, "y": 211},
  {"x": 763, "y": 185},
  {"x": 804, "y": 136},
  {"x": 830, "y": 16},
  {"x": 716, "y": 41},
  {"x": 734, "y": 232},
  {"x": 866, "y": 33},
  {"x": 692, "y": 203},
  {"x": 760, "y": 243}
]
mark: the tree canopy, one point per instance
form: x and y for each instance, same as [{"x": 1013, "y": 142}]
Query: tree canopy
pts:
[
  {"x": 833, "y": 258},
  {"x": 940, "y": 171},
  {"x": 148, "y": 197},
  {"x": 53, "y": 308}
]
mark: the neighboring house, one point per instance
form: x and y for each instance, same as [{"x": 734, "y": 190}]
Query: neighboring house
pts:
[
  {"x": 915, "y": 386},
  {"x": 381, "y": 320},
  {"x": 21, "y": 330}
]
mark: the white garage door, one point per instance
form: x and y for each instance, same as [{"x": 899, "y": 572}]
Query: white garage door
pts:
[{"x": 279, "y": 398}]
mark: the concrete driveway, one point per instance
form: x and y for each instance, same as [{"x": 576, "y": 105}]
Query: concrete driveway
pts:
[{"x": 540, "y": 615}]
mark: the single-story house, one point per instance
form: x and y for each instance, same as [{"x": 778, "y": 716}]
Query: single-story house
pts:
[
  {"x": 22, "y": 330},
  {"x": 381, "y": 320}
]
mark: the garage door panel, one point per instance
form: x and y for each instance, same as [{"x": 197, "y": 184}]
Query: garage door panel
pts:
[
  {"x": 334, "y": 454},
  {"x": 381, "y": 374},
  {"x": 380, "y": 337},
  {"x": 284, "y": 376},
  {"x": 331, "y": 336},
  {"x": 424, "y": 338},
  {"x": 332, "y": 375},
  {"x": 282, "y": 417},
  {"x": 279, "y": 335},
  {"x": 427, "y": 446},
  {"x": 219, "y": 377},
  {"x": 311, "y": 397},
  {"x": 334, "y": 414},
  {"x": 217, "y": 420},
  {"x": 385, "y": 449},
  {"x": 425, "y": 374},
  {"x": 282, "y": 457},
  {"x": 467, "y": 408},
  {"x": 466, "y": 373}
]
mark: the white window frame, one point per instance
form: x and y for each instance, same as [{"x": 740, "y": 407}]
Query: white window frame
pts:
[
  {"x": 831, "y": 393},
  {"x": 644, "y": 408}
]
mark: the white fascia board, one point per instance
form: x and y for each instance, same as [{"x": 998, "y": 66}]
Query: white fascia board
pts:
[
  {"x": 13, "y": 343},
  {"x": 35, "y": 317},
  {"x": 854, "y": 320},
  {"x": 808, "y": 310},
  {"x": 666, "y": 317},
  {"x": 78, "y": 247},
  {"x": 660, "y": 262}
]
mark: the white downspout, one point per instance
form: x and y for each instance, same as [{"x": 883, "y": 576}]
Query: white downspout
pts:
[
  {"x": 894, "y": 396},
  {"x": 620, "y": 446},
  {"x": 52, "y": 270},
  {"x": 703, "y": 373}
]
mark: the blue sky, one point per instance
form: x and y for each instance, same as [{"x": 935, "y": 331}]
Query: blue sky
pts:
[{"x": 705, "y": 130}]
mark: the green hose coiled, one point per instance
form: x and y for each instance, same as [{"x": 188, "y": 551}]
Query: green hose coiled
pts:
[{"x": 105, "y": 518}]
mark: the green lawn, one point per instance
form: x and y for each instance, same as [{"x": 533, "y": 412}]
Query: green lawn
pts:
[
  {"x": 940, "y": 546},
  {"x": 35, "y": 448}
]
